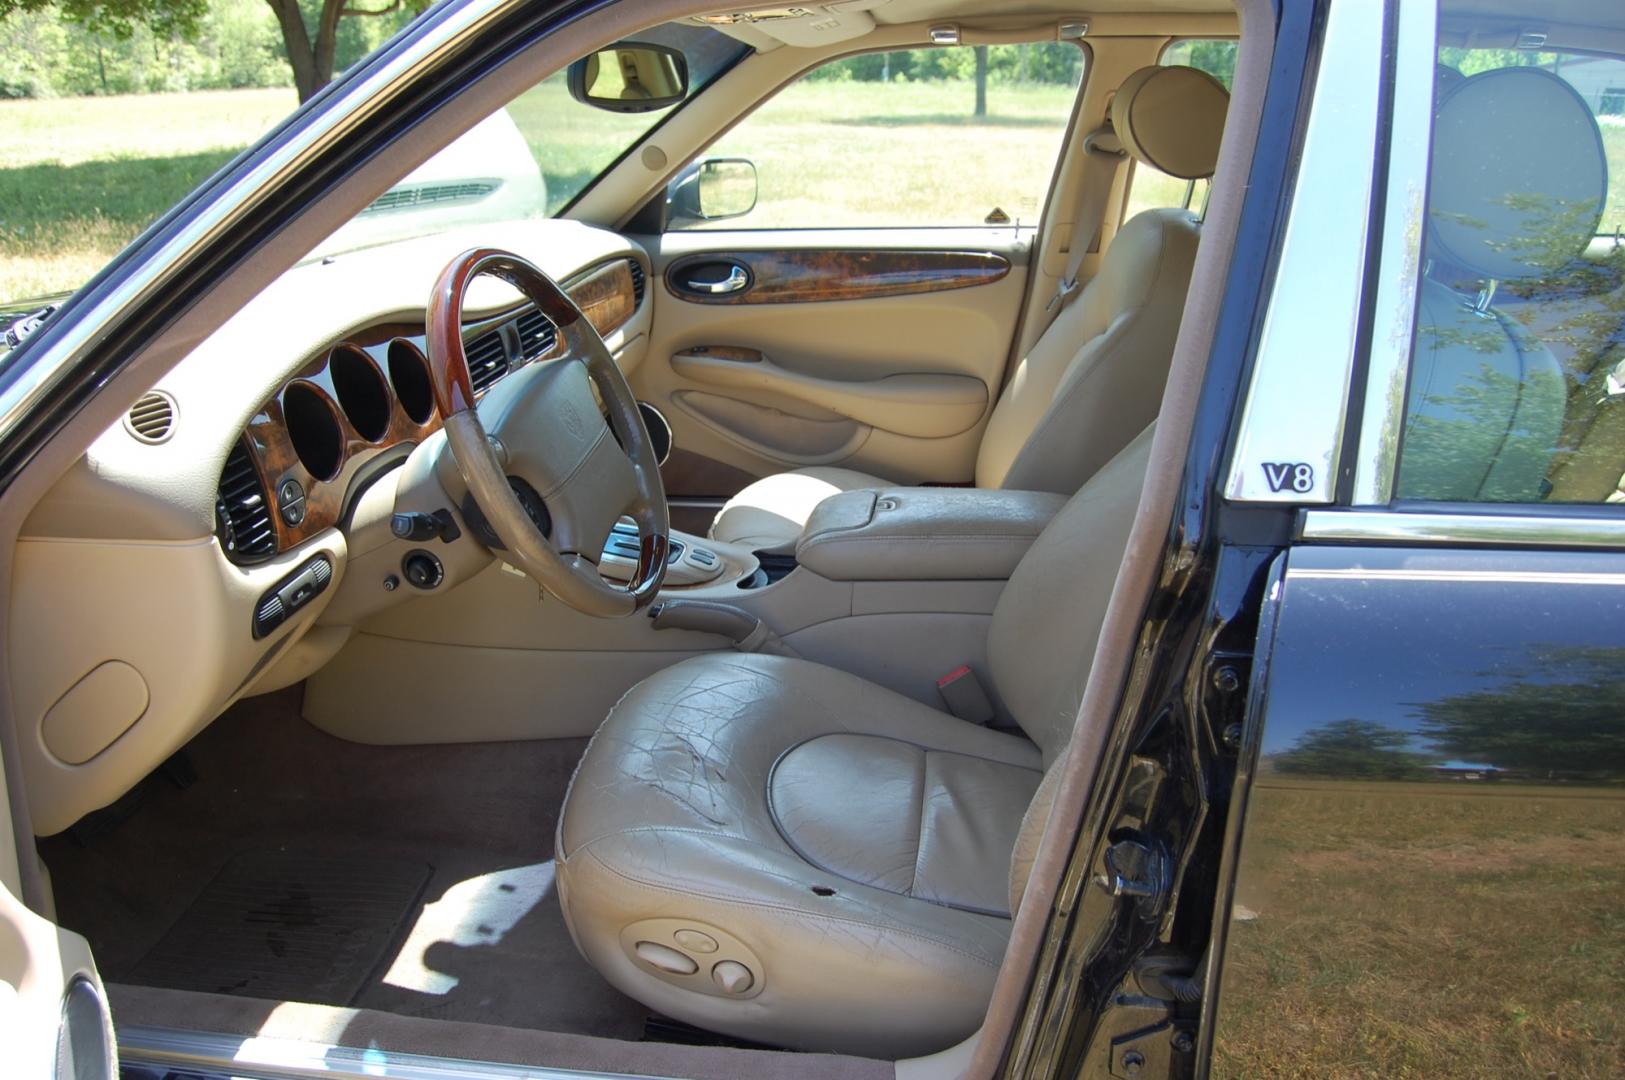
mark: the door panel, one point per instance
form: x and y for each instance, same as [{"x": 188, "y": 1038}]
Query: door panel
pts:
[
  {"x": 880, "y": 350},
  {"x": 1432, "y": 858}
]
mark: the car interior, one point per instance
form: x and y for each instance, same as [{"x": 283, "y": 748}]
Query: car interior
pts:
[{"x": 588, "y": 640}]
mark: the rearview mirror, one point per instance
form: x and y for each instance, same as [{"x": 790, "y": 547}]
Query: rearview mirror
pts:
[
  {"x": 630, "y": 77},
  {"x": 711, "y": 190}
]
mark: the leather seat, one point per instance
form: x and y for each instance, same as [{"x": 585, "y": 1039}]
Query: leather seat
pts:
[
  {"x": 783, "y": 852},
  {"x": 1094, "y": 378},
  {"x": 1516, "y": 200}
]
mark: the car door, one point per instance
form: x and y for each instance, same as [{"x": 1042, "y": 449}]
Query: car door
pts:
[
  {"x": 1427, "y": 836},
  {"x": 54, "y": 1020},
  {"x": 838, "y": 283}
]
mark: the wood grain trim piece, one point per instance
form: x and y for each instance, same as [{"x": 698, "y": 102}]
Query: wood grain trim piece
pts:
[
  {"x": 605, "y": 296},
  {"x": 804, "y": 277}
]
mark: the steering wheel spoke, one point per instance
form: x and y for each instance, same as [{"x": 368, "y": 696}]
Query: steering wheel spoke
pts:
[{"x": 546, "y": 419}]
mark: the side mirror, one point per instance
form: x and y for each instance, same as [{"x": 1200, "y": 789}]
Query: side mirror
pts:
[
  {"x": 630, "y": 77},
  {"x": 712, "y": 190}
]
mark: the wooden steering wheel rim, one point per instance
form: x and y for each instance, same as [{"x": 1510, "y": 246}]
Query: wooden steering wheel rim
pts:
[{"x": 454, "y": 396}]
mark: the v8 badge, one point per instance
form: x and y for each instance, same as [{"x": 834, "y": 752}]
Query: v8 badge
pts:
[{"x": 1298, "y": 476}]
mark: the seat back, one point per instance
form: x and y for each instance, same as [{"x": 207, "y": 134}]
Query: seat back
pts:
[
  {"x": 1049, "y": 616},
  {"x": 1518, "y": 182},
  {"x": 1094, "y": 379}
]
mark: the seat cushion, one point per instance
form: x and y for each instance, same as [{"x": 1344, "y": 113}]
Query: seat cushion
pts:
[
  {"x": 770, "y": 514},
  {"x": 851, "y": 845}
]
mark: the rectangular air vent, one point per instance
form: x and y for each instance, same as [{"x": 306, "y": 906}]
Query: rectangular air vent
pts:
[
  {"x": 242, "y": 511},
  {"x": 537, "y": 335},
  {"x": 407, "y": 198},
  {"x": 487, "y": 358},
  {"x": 637, "y": 282}
]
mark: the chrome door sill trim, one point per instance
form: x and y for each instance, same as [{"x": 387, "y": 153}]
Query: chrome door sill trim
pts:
[
  {"x": 256, "y": 1058},
  {"x": 1501, "y": 530}
]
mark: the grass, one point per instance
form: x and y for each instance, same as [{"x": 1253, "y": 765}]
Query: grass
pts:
[{"x": 1439, "y": 930}]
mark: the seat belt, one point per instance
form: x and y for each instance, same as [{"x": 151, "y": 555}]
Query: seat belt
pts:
[{"x": 1102, "y": 156}]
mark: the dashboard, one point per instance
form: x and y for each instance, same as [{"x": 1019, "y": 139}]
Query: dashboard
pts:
[
  {"x": 264, "y": 466},
  {"x": 358, "y": 404}
]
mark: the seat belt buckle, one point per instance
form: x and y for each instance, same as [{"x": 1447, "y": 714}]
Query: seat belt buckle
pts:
[
  {"x": 1063, "y": 292},
  {"x": 962, "y": 692}
]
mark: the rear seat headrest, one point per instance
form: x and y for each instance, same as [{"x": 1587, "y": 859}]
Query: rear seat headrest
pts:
[
  {"x": 1519, "y": 174},
  {"x": 1172, "y": 118}
]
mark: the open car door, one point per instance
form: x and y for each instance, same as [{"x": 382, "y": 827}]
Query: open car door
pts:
[{"x": 54, "y": 1020}]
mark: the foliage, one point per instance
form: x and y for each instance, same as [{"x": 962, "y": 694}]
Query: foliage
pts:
[
  {"x": 1563, "y": 705},
  {"x": 1352, "y": 749},
  {"x": 1049, "y": 63}
]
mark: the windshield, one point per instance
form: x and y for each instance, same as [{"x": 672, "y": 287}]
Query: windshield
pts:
[{"x": 85, "y": 171}]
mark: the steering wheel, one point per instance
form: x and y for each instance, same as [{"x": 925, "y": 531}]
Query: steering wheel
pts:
[{"x": 546, "y": 470}]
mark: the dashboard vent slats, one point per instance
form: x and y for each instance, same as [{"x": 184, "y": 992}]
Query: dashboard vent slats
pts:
[
  {"x": 152, "y": 417},
  {"x": 637, "y": 281},
  {"x": 242, "y": 511},
  {"x": 487, "y": 359},
  {"x": 537, "y": 335}
]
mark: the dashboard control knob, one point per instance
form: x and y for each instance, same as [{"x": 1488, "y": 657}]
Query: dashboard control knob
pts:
[
  {"x": 422, "y": 569},
  {"x": 290, "y": 500}
]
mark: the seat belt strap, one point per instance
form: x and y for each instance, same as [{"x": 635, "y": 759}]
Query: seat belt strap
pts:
[{"x": 1102, "y": 156}]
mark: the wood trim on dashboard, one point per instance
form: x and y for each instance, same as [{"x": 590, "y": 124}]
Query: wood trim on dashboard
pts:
[{"x": 801, "y": 277}]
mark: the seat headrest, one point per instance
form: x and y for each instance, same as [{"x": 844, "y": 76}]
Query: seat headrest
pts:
[
  {"x": 1172, "y": 118},
  {"x": 1519, "y": 174}
]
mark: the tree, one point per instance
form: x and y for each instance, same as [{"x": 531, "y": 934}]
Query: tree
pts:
[
  {"x": 981, "y": 80},
  {"x": 310, "y": 55},
  {"x": 1560, "y": 714},
  {"x": 1353, "y": 749}
]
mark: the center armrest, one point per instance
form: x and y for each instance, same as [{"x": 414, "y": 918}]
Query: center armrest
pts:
[{"x": 923, "y": 534}]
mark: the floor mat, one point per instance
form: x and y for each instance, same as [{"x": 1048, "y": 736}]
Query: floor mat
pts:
[{"x": 276, "y": 924}]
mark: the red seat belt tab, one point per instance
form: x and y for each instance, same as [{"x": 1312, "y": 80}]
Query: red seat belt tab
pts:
[{"x": 962, "y": 692}]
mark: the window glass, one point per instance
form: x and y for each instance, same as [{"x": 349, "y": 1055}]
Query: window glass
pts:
[
  {"x": 954, "y": 136},
  {"x": 1517, "y": 382},
  {"x": 1151, "y": 188}
]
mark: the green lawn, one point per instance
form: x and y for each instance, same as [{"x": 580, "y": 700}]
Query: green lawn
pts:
[{"x": 1427, "y": 930}]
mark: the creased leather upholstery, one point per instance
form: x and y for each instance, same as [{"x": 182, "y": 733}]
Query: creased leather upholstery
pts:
[
  {"x": 1094, "y": 379},
  {"x": 923, "y": 534},
  {"x": 669, "y": 816},
  {"x": 859, "y": 842}
]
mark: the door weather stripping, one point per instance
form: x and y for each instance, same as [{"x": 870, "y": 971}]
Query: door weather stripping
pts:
[{"x": 163, "y": 1052}]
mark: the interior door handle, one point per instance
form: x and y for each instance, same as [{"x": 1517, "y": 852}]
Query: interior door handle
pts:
[{"x": 737, "y": 279}]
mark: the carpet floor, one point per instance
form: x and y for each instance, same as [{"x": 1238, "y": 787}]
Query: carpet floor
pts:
[{"x": 452, "y": 848}]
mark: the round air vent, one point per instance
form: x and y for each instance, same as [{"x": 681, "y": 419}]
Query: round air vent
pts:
[{"x": 152, "y": 418}]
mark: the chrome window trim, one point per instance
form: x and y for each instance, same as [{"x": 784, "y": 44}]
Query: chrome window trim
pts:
[
  {"x": 1434, "y": 528},
  {"x": 1410, "y": 145},
  {"x": 1297, "y": 402},
  {"x": 261, "y": 1058},
  {"x": 353, "y": 103}
]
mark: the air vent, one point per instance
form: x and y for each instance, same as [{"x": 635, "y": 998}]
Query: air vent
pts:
[
  {"x": 487, "y": 359},
  {"x": 242, "y": 513},
  {"x": 637, "y": 281},
  {"x": 408, "y": 198},
  {"x": 152, "y": 418},
  {"x": 536, "y": 335}
]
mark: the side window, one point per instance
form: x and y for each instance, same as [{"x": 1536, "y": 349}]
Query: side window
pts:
[
  {"x": 952, "y": 136},
  {"x": 1150, "y": 188},
  {"x": 1517, "y": 380}
]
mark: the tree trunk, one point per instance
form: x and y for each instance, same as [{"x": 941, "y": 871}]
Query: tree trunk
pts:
[
  {"x": 296, "y": 41},
  {"x": 981, "y": 80},
  {"x": 311, "y": 61}
]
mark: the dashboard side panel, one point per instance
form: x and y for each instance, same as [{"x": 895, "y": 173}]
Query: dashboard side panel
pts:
[{"x": 1432, "y": 861}]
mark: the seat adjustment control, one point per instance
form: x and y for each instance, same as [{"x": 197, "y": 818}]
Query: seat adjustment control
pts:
[
  {"x": 665, "y": 958},
  {"x": 732, "y": 977}
]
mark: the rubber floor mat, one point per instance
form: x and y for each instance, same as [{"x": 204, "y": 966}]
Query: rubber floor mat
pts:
[{"x": 288, "y": 927}]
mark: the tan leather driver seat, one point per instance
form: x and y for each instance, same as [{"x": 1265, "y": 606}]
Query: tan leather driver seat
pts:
[
  {"x": 780, "y": 851},
  {"x": 1094, "y": 378}
]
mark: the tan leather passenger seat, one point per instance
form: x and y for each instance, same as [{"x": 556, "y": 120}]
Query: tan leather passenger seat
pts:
[
  {"x": 1095, "y": 377},
  {"x": 784, "y": 852}
]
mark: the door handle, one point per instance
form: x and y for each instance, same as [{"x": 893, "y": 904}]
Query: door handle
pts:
[{"x": 737, "y": 279}]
